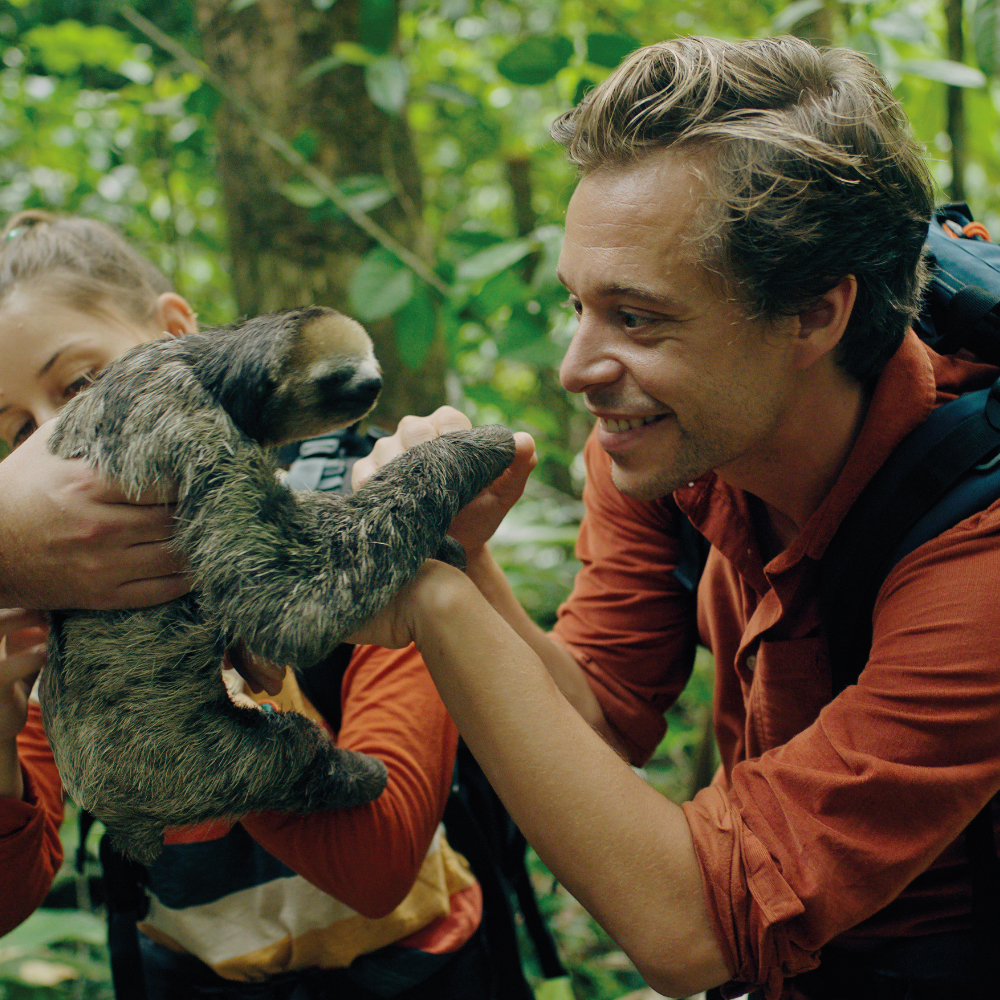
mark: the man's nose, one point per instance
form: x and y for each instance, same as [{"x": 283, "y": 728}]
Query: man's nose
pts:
[{"x": 589, "y": 361}]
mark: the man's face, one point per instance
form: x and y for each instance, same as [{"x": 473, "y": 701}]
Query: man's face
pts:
[{"x": 680, "y": 381}]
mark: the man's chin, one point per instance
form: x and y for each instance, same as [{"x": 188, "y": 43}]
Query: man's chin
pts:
[{"x": 646, "y": 486}]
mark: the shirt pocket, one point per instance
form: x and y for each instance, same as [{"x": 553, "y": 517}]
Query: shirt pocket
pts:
[{"x": 791, "y": 684}]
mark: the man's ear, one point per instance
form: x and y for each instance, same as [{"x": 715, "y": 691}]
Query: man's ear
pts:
[
  {"x": 822, "y": 324},
  {"x": 174, "y": 315}
]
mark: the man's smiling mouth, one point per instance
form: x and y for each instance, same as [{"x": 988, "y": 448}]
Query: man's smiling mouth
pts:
[{"x": 620, "y": 426}]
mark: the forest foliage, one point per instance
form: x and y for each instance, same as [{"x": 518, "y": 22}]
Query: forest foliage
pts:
[{"x": 98, "y": 117}]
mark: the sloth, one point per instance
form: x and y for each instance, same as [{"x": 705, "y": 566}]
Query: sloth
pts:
[{"x": 143, "y": 730}]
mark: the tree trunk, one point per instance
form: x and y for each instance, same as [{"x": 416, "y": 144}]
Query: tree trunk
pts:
[
  {"x": 284, "y": 255},
  {"x": 956, "y": 101}
]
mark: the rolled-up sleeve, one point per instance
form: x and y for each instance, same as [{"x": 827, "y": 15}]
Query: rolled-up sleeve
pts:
[
  {"x": 817, "y": 835},
  {"x": 629, "y": 622}
]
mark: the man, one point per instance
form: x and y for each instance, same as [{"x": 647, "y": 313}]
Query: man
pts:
[{"x": 743, "y": 253}]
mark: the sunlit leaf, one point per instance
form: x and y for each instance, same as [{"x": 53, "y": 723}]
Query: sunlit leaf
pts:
[
  {"x": 609, "y": 50},
  {"x": 955, "y": 74},
  {"x": 554, "y": 989},
  {"x": 67, "y": 45},
  {"x": 493, "y": 259},
  {"x": 353, "y": 54},
  {"x": 536, "y": 60},
  {"x": 387, "y": 81},
  {"x": 381, "y": 285},
  {"x": 303, "y": 194},
  {"x": 789, "y": 16},
  {"x": 986, "y": 35},
  {"x": 414, "y": 327},
  {"x": 449, "y": 92},
  {"x": 45, "y": 927},
  {"x": 317, "y": 69},
  {"x": 237, "y": 5},
  {"x": 901, "y": 26}
]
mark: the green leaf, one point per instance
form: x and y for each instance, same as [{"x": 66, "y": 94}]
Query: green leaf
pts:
[
  {"x": 45, "y": 927},
  {"x": 609, "y": 50},
  {"x": 377, "y": 24},
  {"x": 306, "y": 142},
  {"x": 986, "y": 35},
  {"x": 536, "y": 60},
  {"x": 493, "y": 259},
  {"x": 503, "y": 289},
  {"x": 416, "y": 323},
  {"x": 236, "y": 6},
  {"x": 387, "y": 81},
  {"x": 381, "y": 285},
  {"x": 520, "y": 330},
  {"x": 955, "y": 74},
  {"x": 789, "y": 16}
]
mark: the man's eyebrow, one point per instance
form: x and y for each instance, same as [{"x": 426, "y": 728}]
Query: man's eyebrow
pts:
[{"x": 611, "y": 289}]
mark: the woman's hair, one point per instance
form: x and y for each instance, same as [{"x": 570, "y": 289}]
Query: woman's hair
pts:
[
  {"x": 810, "y": 165},
  {"x": 81, "y": 262}
]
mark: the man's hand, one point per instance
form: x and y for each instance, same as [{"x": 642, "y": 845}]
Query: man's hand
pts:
[
  {"x": 69, "y": 539},
  {"x": 475, "y": 524}
]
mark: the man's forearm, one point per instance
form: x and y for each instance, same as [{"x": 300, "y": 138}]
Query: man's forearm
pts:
[
  {"x": 621, "y": 848},
  {"x": 563, "y": 668}
]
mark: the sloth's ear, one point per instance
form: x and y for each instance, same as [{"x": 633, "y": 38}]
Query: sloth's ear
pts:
[{"x": 174, "y": 315}]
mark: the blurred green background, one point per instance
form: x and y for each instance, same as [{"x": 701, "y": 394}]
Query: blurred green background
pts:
[{"x": 392, "y": 159}]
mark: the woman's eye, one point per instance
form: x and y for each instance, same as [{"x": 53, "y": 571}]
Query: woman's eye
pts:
[
  {"x": 78, "y": 385},
  {"x": 24, "y": 432}
]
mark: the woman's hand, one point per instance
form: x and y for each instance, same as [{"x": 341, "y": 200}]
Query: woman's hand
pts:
[
  {"x": 475, "y": 524},
  {"x": 69, "y": 539},
  {"x": 22, "y": 656}
]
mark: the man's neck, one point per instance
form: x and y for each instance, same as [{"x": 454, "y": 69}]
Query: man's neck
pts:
[{"x": 804, "y": 457}]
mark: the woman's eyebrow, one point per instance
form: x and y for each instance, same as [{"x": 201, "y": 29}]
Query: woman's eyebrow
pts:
[{"x": 55, "y": 357}]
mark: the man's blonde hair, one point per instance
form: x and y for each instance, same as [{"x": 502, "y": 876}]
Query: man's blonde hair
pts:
[{"x": 810, "y": 163}]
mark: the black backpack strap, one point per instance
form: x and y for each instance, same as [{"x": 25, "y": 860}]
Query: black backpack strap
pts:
[
  {"x": 945, "y": 471},
  {"x": 939, "y": 475},
  {"x": 126, "y": 904}
]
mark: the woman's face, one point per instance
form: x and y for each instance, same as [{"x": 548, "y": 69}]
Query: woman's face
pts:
[{"x": 50, "y": 352}]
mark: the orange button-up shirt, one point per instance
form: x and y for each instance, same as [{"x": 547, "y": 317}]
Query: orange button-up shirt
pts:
[{"x": 827, "y": 813}]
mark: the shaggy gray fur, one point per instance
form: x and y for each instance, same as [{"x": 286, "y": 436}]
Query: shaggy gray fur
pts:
[{"x": 144, "y": 734}]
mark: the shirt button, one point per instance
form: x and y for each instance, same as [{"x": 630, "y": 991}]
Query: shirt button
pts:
[{"x": 751, "y": 661}]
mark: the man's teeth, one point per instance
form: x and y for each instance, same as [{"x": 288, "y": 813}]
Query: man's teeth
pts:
[{"x": 619, "y": 426}]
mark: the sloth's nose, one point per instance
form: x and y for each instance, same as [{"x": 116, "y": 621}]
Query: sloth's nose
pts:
[{"x": 368, "y": 390}]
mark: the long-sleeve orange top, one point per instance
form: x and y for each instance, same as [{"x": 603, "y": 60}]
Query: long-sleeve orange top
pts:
[
  {"x": 30, "y": 850},
  {"x": 829, "y": 818}
]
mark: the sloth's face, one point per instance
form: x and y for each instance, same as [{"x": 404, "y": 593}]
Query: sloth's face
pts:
[
  {"x": 51, "y": 352},
  {"x": 291, "y": 375}
]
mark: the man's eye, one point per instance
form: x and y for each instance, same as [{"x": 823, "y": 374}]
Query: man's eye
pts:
[
  {"x": 630, "y": 320},
  {"x": 575, "y": 304},
  {"x": 78, "y": 385}
]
